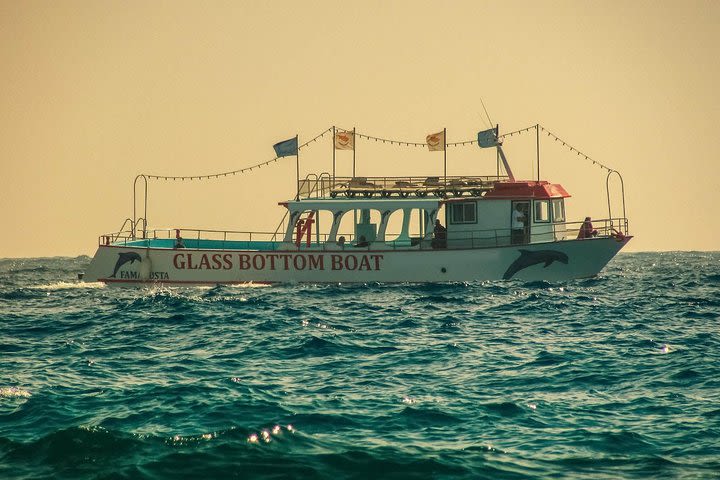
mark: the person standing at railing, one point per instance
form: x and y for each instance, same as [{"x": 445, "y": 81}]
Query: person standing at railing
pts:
[
  {"x": 518, "y": 225},
  {"x": 440, "y": 234},
  {"x": 178, "y": 239}
]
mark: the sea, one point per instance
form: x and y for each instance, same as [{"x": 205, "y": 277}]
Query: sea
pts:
[{"x": 616, "y": 376}]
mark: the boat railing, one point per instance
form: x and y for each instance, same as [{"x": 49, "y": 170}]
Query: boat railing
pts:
[
  {"x": 114, "y": 236},
  {"x": 604, "y": 228},
  {"x": 192, "y": 238},
  {"x": 280, "y": 230},
  {"x": 320, "y": 186},
  {"x": 220, "y": 239},
  {"x": 315, "y": 186}
]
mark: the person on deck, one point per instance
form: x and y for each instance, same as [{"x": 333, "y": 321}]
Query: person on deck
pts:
[
  {"x": 178, "y": 240},
  {"x": 518, "y": 226},
  {"x": 362, "y": 242},
  {"x": 587, "y": 230},
  {"x": 440, "y": 235}
]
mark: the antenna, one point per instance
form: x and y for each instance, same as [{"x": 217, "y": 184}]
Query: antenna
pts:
[
  {"x": 486, "y": 113},
  {"x": 484, "y": 121}
]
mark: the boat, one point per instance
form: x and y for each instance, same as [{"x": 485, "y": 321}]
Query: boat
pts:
[{"x": 338, "y": 230}]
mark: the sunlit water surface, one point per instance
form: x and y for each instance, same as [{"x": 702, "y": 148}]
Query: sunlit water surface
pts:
[{"x": 615, "y": 376}]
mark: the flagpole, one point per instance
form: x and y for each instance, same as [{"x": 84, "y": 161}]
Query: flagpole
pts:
[
  {"x": 355, "y": 219},
  {"x": 333, "y": 147},
  {"x": 497, "y": 153},
  {"x": 297, "y": 166},
  {"x": 445, "y": 156},
  {"x": 354, "y": 142},
  {"x": 537, "y": 139}
]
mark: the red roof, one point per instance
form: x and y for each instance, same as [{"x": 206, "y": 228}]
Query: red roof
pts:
[{"x": 527, "y": 189}]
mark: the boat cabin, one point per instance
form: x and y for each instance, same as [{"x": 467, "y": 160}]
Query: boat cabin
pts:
[{"x": 475, "y": 217}]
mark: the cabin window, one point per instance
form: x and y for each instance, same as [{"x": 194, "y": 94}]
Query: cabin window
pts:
[
  {"x": 542, "y": 211},
  {"x": 463, "y": 212},
  {"x": 558, "y": 210}
]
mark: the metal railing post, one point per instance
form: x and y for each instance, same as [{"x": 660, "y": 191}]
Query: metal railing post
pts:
[{"x": 135, "y": 204}]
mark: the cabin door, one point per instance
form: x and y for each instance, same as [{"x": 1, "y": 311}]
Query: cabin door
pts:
[{"x": 520, "y": 222}]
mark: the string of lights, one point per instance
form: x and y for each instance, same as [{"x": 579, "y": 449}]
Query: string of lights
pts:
[
  {"x": 233, "y": 172},
  {"x": 385, "y": 140},
  {"x": 376, "y": 139},
  {"x": 573, "y": 149}
]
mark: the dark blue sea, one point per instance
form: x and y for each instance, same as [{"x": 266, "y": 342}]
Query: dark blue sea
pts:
[{"x": 616, "y": 376}]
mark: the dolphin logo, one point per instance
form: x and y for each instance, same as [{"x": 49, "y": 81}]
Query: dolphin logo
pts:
[
  {"x": 528, "y": 259},
  {"x": 124, "y": 258}
]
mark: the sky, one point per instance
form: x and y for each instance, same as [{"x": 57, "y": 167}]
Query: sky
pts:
[{"x": 97, "y": 92}]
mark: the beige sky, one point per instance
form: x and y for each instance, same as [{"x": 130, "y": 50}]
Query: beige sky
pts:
[{"x": 95, "y": 92}]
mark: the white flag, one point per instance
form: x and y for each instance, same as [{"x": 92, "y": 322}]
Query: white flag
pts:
[
  {"x": 436, "y": 141},
  {"x": 345, "y": 141}
]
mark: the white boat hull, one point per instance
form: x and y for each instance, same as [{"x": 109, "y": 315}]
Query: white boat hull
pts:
[{"x": 553, "y": 261}]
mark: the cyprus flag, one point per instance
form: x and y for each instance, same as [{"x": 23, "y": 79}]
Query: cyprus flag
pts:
[
  {"x": 436, "y": 141},
  {"x": 344, "y": 141}
]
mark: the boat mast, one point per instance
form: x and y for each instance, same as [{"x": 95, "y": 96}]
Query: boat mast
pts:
[
  {"x": 445, "y": 156},
  {"x": 501, "y": 155},
  {"x": 497, "y": 135},
  {"x": 354, "y": 144},
  {"x": 297, "y": 166},
  {"x": 537, "y": 141}
]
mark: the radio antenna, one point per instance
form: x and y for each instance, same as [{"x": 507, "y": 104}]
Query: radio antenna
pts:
[{"x": 486, "y": 112}]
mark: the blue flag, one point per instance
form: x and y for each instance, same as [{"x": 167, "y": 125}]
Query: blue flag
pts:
[
  {"x": 487, "y": 138},
  {"x": 286, "y": 148}
]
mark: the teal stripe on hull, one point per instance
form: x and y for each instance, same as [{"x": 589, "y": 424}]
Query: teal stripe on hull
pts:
[{"x": 202, "y": 244}]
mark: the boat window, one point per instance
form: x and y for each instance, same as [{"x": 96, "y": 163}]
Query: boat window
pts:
[
  {"x": 542, "y": 211},
  {"x": 558, "y": 207},
  {"x": 463, "y": 212}
]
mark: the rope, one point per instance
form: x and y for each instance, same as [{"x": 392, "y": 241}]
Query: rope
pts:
[
  {"x": 573, "y": 149},
  {"x": 233, "y": 172},
  {"x": 403, "y": 142},
  {"x": 557, "y": 139},
  {"x": 424, "y": 144},
  {"x": 377, "y": 139},
  {"x": 384, "y": 140},
  {"x": 516, "y": 132}
]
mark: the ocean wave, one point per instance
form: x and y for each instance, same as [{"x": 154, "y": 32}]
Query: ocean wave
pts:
[
  {"x": 20, "y": 294},
  {"x": 607, "y": 377},
  {"x": 505, "y": 409},
  {"x": 69, "y": 286},
  {"x": 14, "y": 392},
  {"x": 320, "y": 347},
  {"x": 421, "y": 417}
]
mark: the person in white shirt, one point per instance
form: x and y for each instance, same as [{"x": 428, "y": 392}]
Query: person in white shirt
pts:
[{"x": 518, "y": 225}]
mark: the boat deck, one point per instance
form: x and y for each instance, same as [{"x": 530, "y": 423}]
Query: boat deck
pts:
[
  {"x": 261, "y": 246},
  {"x": 194, "y": 239},
  {"x": 324, "y": 186}
]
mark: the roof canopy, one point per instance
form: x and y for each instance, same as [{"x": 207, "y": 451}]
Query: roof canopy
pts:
[{"x": 527, "y": 189}]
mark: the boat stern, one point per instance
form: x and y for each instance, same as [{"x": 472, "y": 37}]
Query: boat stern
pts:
[{"x": 114, "y": 263}]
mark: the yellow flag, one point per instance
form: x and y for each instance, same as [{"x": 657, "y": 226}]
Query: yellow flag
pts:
[
  {"x": 345, "y": 141},
  {"x": 436, "y": 141}
]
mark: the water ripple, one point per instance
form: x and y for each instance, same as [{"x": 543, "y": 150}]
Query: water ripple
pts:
[{"x": 606, "y": 377}]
